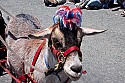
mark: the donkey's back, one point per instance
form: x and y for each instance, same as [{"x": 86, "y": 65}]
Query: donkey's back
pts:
[{"x": 21, "y": 26}]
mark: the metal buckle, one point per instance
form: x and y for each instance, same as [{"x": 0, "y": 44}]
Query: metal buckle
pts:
[{"x": 61, "y": 57}]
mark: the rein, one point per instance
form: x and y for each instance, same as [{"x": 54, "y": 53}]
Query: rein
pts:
[{"x": 30, "y": 75}]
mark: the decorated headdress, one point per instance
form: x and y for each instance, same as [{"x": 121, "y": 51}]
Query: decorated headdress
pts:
[
  {"x": 62, "y": 12},
  {"x": 67, "y": 17}
]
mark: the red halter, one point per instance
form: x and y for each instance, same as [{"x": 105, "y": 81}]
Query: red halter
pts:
[{"x": 65, "y": 54}]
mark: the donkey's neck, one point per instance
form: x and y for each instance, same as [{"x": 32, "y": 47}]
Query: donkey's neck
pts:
[
  {"x": 49, "y": 58},
  {"x": 50, "y": 62}
]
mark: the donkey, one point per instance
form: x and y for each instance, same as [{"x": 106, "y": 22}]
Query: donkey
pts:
[{"x": 55, "y": 51}]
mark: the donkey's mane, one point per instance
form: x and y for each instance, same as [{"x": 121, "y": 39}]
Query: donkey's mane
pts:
[{"x": 27, "y": 17}]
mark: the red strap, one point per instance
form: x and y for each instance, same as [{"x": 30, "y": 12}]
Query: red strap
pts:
[
  {"x": 73, "y": 48},
  {"x": 37, "y": 55},
  {"x": 84, "y": 71},
  {"x": 23, "y": 76},
  {"x": 3, "y": 49},
  {"x": 17, "y": 80},
  {"x": 3, "y": 61},
  {"x": 30, "y": 78},
  {"x": 56, "y": 52},
  {"x": 27, "y": 76},
  {"x": 69, "y": 50}
]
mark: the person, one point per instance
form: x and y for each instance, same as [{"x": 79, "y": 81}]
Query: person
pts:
[
  {"x": 54, "y": 3},
  {"x": 98, "y": 4},
  {"x": 123, "y": 7},
  {"x": 93, "y": 4},
  {"x": 2, "y": 26},
  {"x": 2, "y": 47}
]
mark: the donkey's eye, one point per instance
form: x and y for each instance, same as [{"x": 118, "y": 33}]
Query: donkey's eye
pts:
[
  {"x": 59, "y": 44},
  {"x": 55, "y": 40}
]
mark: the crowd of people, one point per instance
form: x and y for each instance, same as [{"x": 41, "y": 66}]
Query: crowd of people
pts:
[
  {"x": 102, "y": 4},
  {"x": 90, "y": 4}
]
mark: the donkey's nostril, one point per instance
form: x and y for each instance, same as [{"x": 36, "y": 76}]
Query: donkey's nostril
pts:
[{"x": 76, "y": 68}]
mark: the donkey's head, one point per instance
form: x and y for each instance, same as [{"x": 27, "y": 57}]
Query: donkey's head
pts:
[
  {"x": 65, "y": 38},
  {"x": 65, "y": 44}
]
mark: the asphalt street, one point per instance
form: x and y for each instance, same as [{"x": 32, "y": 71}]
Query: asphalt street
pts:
[{"x": 103, "y": 54}]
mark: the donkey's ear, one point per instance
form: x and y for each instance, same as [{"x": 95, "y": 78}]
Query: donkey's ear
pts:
[
  {"x": 41, "y": 34},
  {"x": 91, "y": 31},
  {"x": 38, "y": 37},
  {"x": 80, "y": 35}
]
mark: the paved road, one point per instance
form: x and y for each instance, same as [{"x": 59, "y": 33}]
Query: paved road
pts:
[{"x": 104, "y": 54}]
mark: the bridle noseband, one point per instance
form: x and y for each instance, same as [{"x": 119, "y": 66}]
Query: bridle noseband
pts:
[{"x": 60, "y": 54}]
